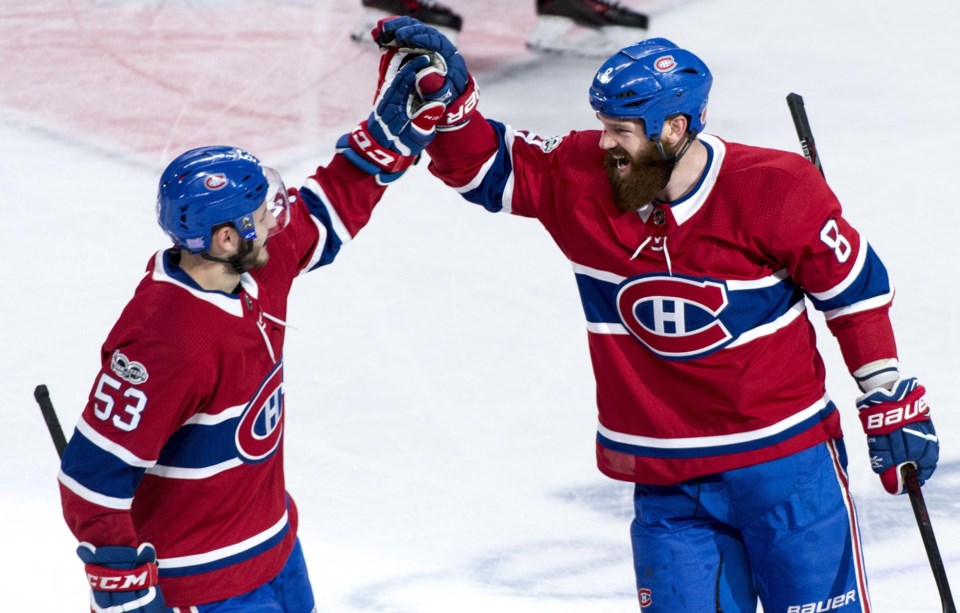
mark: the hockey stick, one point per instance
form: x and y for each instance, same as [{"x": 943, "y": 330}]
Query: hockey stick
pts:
[
  {"x": 909, "y": 471},
  {"x": 50, "y": 416},
  {"x": 804, "y": 133}
]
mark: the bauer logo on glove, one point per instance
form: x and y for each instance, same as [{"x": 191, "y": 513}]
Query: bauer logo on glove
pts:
[
  {"x": 899, "y": 432},
  {"x": 879, "y": 420}
]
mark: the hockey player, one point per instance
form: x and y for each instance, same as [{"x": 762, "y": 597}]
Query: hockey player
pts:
[
  {"x": 592, "y": 28},
  {"x": 173, "y": 480},
  {"x": 694, "y": 258}
]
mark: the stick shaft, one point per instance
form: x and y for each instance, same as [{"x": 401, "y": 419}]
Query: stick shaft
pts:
[
  {"x": 804, "y": 133},
  {"x": 42, "y": 396},
  {"x": 929, "y": 539},
  {"x": 909, "y": 471}
]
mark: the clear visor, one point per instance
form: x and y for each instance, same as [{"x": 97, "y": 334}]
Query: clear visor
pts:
[{"x": 277, "y": 200}]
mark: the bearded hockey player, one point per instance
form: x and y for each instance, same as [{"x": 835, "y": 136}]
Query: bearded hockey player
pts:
[{"x": 695, "y": 259}]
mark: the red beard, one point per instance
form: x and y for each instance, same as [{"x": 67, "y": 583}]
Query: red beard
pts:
[{"x": 647, "y": 175}]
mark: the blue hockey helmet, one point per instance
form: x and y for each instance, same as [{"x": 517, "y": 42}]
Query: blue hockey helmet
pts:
[
  {"x": 210, "y": 186},
  {"x": 653, "y": 80}
]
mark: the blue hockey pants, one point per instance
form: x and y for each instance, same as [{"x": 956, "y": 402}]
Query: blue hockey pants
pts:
[{"x": 784, "y": 531}]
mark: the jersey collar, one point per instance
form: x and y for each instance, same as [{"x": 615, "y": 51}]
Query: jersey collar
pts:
[
  {"x": 687, "y": 206},
  {"x": 165, "y": 270}
]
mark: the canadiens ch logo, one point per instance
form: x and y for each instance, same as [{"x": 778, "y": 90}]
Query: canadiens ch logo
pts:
[
  {"x": 645, "y": 596},
  {"x": 261, "y": 424},
  {"x": 215, "y": 181},
  {"x": 674, "y": 317},
  {"x": 665, "y": 63}
]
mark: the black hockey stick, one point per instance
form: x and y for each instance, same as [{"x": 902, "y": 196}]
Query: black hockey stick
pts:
[
  {"x": 909, "y": 471},
  {"x": 804, "y": 133},
  {"x": 50, "y": 416}
]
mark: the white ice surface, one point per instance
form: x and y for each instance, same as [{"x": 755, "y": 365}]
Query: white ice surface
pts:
[{"x": 440, "y": 401}]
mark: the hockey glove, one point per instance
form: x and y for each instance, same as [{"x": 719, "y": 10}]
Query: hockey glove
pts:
[
  {"x": 459, "y": 92},
  {"x": 122, "y": 577},
  {"x": 399, "y": 127},
  {"x": 899, "y": 432}
]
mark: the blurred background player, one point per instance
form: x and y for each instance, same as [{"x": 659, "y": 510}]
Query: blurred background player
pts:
[
  {"x": 173, "y": 479},
  {"x": 440, "y": 16},
  {"x": 592, "y": 28},
  {"x": 694, "y": 259}
]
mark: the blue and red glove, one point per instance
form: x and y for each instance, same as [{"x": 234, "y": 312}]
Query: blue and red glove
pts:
[
  {"x": 122, "y": 578},
  {"x": 459, "y": 92},
  {"x": 402, "y": 123},
  {"x": 899, "y": 432}
]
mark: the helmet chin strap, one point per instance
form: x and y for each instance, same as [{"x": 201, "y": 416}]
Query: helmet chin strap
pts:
[
  {"x": 236, "y": 260},
  {"x": 691, "y": 136},
  {"x": 673, "y": 159}
]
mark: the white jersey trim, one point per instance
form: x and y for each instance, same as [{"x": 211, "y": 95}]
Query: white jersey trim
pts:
[
  {"x": 715, "y": 441},
  {"x": 221, "y": 301},
  {"x": 770, "y": 327},
  {"x": 695, "y": 201},
  {"x": 733, "y": 284},
  {"x": 318, "y": 248},
  {"x": 506, "y": 198},
  {"x": 110, "y": 447},
  {"x": 177, "y": 472},
  {"x": 768, "y": 281},
  {"x": 864, "y": 305},
  {"x": 477, "y": 180},
  {"x": 250, "y": 285},
  {"x": 605, "y": 328},
  {"x": 224, "y": 552},
  {"x": 837, "y": 289},
  {"x": 338, "y": 226},
  {"x": 600, "y": 275},
  {"x": 110, "y": 502},
  {"x": 208, "y": 419}
]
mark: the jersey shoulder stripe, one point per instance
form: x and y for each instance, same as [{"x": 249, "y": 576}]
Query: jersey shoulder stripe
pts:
[
  {"x": 492, "y": 188},
  {"x": 110, "y": 502},
  {"x": 333, "y": 232},
  {"x": 866, "y": 287},
  {"x": 99, "y": 470}
]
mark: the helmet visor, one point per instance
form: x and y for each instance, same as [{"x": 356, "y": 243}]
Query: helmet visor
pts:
[{"x": 277, "y": 200}]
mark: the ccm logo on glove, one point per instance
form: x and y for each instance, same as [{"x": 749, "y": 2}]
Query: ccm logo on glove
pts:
[
  {"x": 383, "y": 157},
  {"x": 121, "y": 580}
]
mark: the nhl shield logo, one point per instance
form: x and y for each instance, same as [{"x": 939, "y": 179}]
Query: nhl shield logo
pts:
[{"x": 261, "y": 424}]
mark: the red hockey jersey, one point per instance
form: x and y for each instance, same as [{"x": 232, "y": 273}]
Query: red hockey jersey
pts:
[
  {"x": 696, "y": 310},
  {"x": 181, "y": 442}
]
